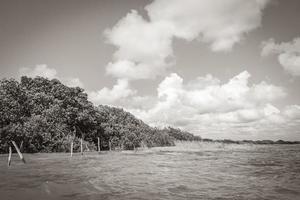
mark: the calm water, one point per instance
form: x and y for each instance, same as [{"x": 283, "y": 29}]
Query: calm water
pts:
[{"x": 196, "y": 172}]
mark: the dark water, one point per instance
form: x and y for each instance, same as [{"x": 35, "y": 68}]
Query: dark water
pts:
[{"x": 206, "y": 172}]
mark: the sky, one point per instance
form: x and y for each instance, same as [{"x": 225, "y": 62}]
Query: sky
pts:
[{"x": 219, "y": 69}]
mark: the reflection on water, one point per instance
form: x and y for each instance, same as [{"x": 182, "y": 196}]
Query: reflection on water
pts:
[{"x": 199, "y": 172}]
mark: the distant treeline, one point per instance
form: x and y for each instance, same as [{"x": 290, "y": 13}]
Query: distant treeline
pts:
[
  {"x": 226, "y": 141},
  {"x": 43, "y": 115}
]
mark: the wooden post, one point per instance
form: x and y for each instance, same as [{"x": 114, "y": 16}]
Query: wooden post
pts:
[
  {"x": 99, "y": 145},
  {"x": 19, "y": 152},
  {"x": 9, "y": 156},
  {"x": 81, "y": 147},
  {"x": 71, "y": 150},
  {"x": 109, "y": 144}
]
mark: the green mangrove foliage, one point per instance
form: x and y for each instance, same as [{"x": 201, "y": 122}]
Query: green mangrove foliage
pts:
[{"x": 44, "y": 115}]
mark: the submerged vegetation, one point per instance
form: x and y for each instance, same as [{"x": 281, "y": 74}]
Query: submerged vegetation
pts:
[{"x": 43, "y": 115}]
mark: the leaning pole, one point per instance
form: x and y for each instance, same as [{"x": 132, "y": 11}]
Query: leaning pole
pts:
[{"x": 19, "y": 152}]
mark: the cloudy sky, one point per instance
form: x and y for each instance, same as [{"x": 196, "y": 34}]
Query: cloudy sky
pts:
[{"x": 220, "y": 69}]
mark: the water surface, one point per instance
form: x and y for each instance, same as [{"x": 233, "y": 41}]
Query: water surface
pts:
[{"x": 195, "y": 172}]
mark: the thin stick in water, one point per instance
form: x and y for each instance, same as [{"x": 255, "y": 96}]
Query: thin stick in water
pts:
[
  {"x": 81, "y": 147},
  {"x": 9, "y": 156},
  {"x": 71, "y": 150},
  {"x": 99, "y": 145},
  {"x": 19, "y": 152}
]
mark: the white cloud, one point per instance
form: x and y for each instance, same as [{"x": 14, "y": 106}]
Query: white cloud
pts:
[
  {"x": 139, "y": 40},
  {"x": 292, "y": 111},
  {"x": 266, "y": 92},
  {"x": 220, "y": 23},
  {"x": 288, "y": 54},
  {"x": 73, "y": 82},
  {"x": 290, "y": 62},
  {"x": 144, "y": 47},
  {"x": 131, "y": 70},
  {"x": 207, "y": 107},
  {"x": 120, "y": 91},
  {"x": 210, "y": 108},
  {"x": 38, "y": 70},
  {"x": 50, "y": 73},
  {"x": 176, "y": 97}
]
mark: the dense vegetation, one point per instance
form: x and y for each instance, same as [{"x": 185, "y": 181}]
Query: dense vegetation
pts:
[{"x": 43, "y": 115}]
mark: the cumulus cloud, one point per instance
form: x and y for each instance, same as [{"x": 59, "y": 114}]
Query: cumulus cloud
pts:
[
  {"x": 144, "y": 46},
  {"x": 220, "y": 23},
  {"x": 292, "y": 112},
  {"x": 73, "y": 82},
  {"x": 207, "y": 107},
  {"x": 119, "y": 92},
  {"x": 132, "y": 70},
  {"x": 50, "y": 73},
  {"x": 39, "y": 70},
  {"x": 234, "y": 101},
  {"x": 288, "y": 54}
]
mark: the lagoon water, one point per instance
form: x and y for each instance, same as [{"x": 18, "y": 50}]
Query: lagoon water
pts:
[{"x": 196, "y": 171}]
